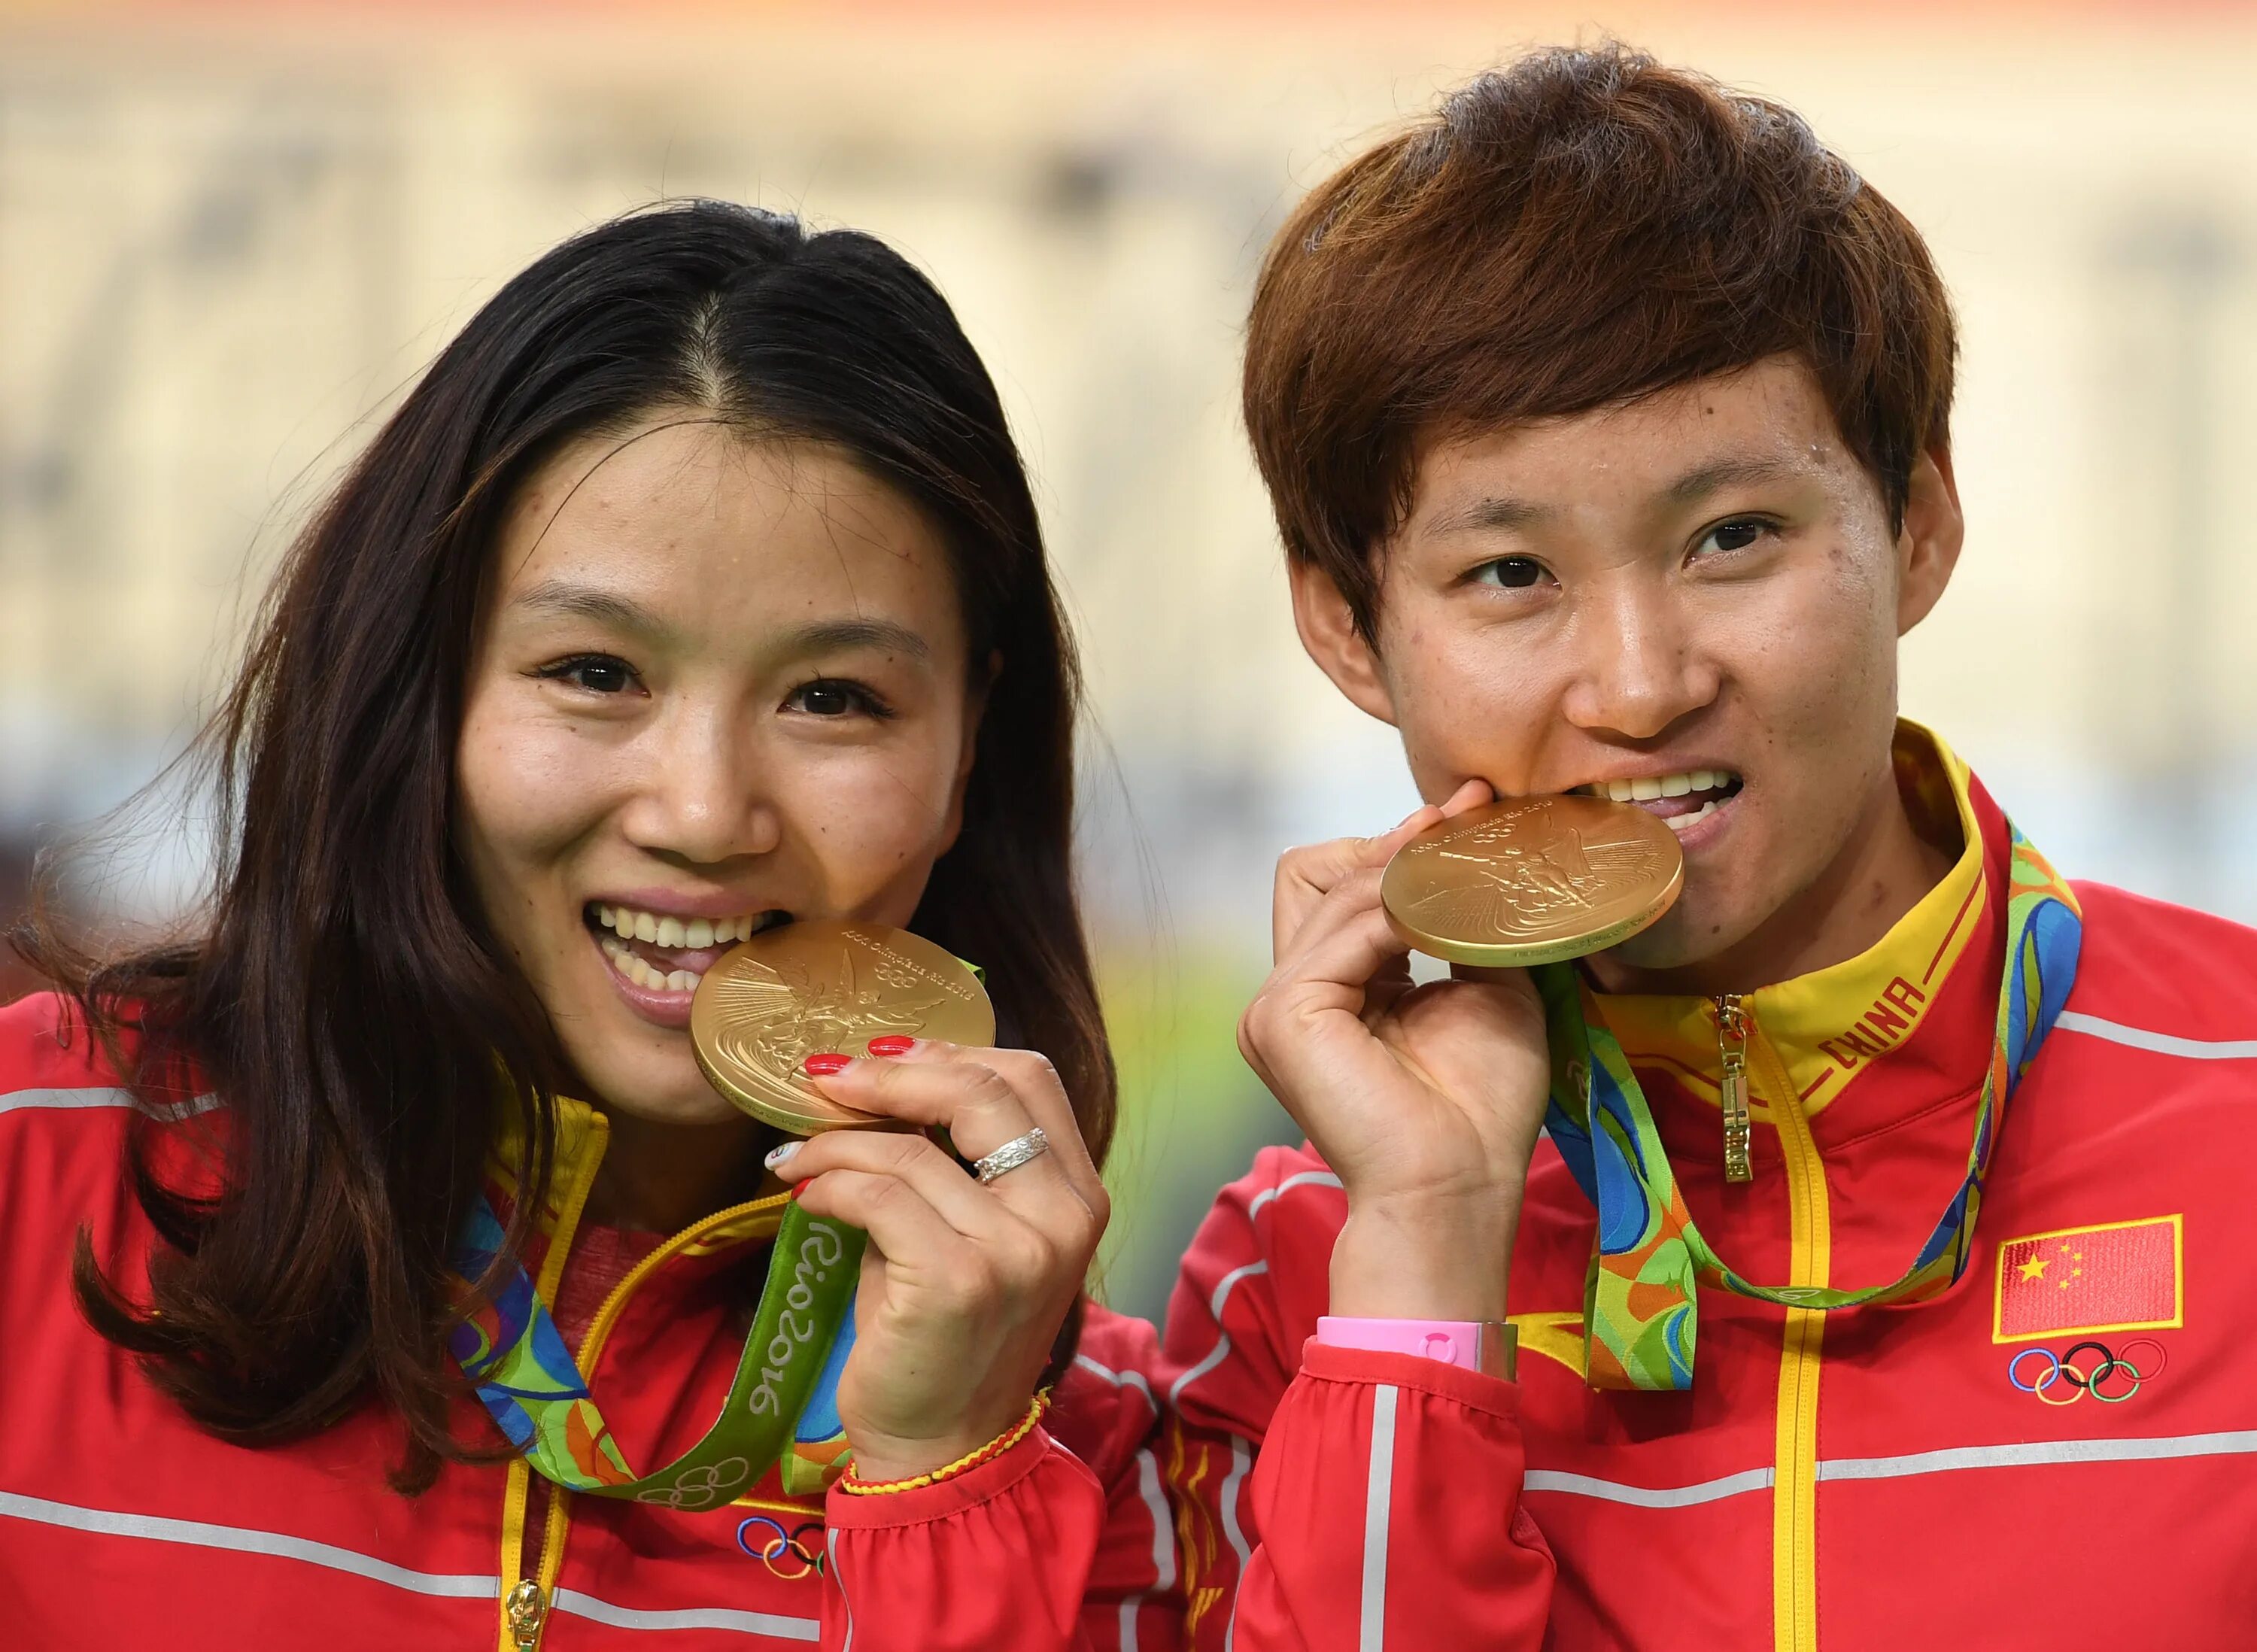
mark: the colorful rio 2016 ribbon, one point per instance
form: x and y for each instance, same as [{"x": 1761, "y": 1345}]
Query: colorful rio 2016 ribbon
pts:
[
  {"x": 1639, "y": 1314},
  {"x": 782, "y": 1405}
]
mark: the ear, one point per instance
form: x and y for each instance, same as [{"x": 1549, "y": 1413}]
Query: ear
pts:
[
  {"x": 975, "y": 710},
  {"x": 1928, "y": 545},
  {"x": 1328, "y": 632}
]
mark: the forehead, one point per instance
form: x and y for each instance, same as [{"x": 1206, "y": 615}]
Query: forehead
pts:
[
  {"x": 690, "y": 515},
  {"x": 1773, "y": 415}
]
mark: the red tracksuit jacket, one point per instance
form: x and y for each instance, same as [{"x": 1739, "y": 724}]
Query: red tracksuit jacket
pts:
[
  {"x": 2055, "y": 1456},
  {"x": 124, "y": 1525}
]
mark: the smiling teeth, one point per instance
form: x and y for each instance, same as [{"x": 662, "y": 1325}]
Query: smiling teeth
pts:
[
  {"x": 1680, "y": 823},
  {"x": 1653, "y": 786},
  {"x": 623, "y": 924},
  {"x": 695, "y": 934},
  {"x": 632, "y": 966}
]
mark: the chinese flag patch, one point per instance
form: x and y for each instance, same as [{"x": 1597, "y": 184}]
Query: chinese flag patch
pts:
[{"x": 2114, "y": 1276}]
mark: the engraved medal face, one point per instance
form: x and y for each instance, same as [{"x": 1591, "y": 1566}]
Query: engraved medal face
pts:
[
  {"x": 825, "y": 985},
  {"x": 1533, "y": 881}
]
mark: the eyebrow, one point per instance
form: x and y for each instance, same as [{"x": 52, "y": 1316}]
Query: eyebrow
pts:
[
  {"x": 1699, "y": 483},
  {"x": 1492, "y": 516},
  {"x": 827, "y": 635},
  {"x": 1505, "y": 515},
  {"x": 591, "y": 602}
]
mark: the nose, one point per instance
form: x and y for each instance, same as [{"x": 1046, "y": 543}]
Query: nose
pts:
[
  {"x": 1639, "y": 665},
  {"x": 700, "y": 799}
]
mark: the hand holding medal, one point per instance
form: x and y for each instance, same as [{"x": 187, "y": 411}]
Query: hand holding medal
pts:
[
  {"x": 1427, "y": 1099},
  {"x": 866, "y": 1038},
  {"x": 953, "y": 1309}
]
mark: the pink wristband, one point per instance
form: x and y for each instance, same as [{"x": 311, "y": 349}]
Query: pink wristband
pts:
[{"x": 1471, "y": 1344}]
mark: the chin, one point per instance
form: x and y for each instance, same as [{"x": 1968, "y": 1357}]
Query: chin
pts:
[
  {"x": 669, "y": 1106},
  {"x": 660, "y": 1087},
  {"x": 1677, "y": 940}
]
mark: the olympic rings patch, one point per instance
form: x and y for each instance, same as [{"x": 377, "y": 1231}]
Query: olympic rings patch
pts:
[
  {"x": 784, "y": 1553},
  {"x": 2112, "y": 1379}
]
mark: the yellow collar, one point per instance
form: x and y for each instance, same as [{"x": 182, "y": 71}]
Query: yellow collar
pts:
[
  {"x": 583, "y": 1133},
  {"x": 1833, "y": 1021}
]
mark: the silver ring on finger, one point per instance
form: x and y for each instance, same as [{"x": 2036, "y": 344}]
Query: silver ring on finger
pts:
[{"x": 1018, "y": 1151}]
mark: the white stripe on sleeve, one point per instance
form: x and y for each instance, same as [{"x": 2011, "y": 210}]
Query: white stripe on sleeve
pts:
[
  {"x": 1304, "y": 1179},
  {"x": 1119, "y": 1379},
  {"x": 1241, "y": 1459},
  {"x": 2160, "y": 1044},
  {"x": 1163, "y": 1545},
  {"x": 1164, "y": 1534},
  {"x": 106, "y": 1096},
  {"x": 1126, "y": 1635},
  {"x": 1221, "y": 1352},
  {"x": 1378, "y": 1494},
  {"x": 838, "y": 1582}
]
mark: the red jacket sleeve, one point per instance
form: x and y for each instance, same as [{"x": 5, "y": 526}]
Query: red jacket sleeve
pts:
[
  {"x": 1065, "y": 1542},
  {"x": 1331, "y": 1499}
]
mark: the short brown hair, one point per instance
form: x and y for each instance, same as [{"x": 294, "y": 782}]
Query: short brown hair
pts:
[{"x": 1580, "y": 229}]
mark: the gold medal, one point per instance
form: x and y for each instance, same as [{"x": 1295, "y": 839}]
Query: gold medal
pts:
[
  {"x": 825, "y": 985},
  {"x": 1533, "y": 881}
]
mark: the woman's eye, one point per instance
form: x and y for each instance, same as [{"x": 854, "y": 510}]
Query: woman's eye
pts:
[
  {"x": 1513, "y": 573},
  {"x": 830, "y": 697},
  {"x": 597, "y": 674},
  {"x": 1732, "y": 536}
]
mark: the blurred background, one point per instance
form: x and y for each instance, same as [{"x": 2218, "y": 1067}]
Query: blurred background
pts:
[{"x": 230, "y": 235}]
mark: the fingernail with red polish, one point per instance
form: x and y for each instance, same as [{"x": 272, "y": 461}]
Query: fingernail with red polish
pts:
[
  {"x": 823, "y": 1063},
  {"x": 799, "y": 1187},
  {"x": 892, "y": 1044}
]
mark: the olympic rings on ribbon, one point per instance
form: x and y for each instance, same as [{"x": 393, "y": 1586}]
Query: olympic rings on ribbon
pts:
[
  {"x": 787, "y": 1546},
  {"x": 2061, "y": 1370}
]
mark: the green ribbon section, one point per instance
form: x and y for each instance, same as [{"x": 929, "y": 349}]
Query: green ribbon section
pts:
[
  {"x": 1640, "y": 1301},
  {"x": 533, "y": 1389}
]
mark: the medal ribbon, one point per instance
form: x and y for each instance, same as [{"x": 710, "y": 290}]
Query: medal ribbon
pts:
[
  {"x": 1640, "y": 1314},
  {"x": 783, "y": 1406},
  {"x": 786, "y": 1383}
]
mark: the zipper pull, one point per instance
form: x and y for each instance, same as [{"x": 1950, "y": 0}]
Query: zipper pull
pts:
[
  {"x": 1732, "y": 1049},
  {"x": 524, "y": 1609}
]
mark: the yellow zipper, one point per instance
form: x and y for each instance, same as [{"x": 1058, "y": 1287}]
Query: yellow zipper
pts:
[
  {"x": 1794, "y": 1542},
  {"x": 525, "y": 1602},
  {"x": 524, "y": 1609},
  {"x": 1732, "y": 1086}
]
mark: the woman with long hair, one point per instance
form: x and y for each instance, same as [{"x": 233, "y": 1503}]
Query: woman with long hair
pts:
[{"x": 377, "y": 1265}]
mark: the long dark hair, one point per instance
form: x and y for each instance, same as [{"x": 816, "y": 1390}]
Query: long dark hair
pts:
[{"x": 342, "y": 993}]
